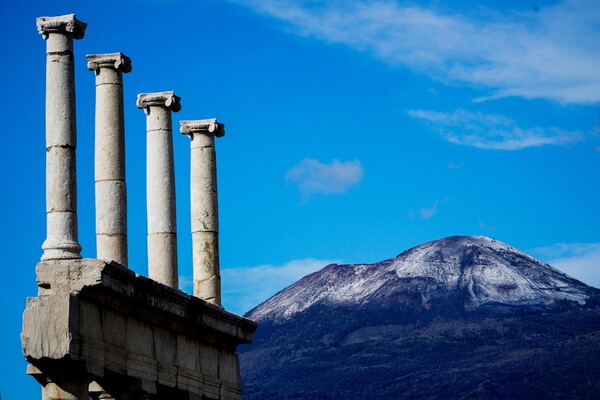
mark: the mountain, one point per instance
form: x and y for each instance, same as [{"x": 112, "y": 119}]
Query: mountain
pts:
[{"x": 460, "y": 317}]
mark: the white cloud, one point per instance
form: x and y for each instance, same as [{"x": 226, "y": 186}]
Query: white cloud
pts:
[
  {"x": 483, "y": 225},
  {"x": 579, "y": 260},
  {"x": 246, "y": 287},
  {"x": 551, "y": 54},
  {"x": 314, "y": 177},
  {"x": 492, "y": 131},
  {"x": 427, "y": 213}
]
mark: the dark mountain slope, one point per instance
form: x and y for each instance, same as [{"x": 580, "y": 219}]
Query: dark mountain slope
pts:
[{"x": 462, "y": 317}]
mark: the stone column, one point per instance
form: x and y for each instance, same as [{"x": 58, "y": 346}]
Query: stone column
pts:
[
  {"x": 61, "y": 136},
  {"x": 65, "y": 390},
  {"x": 109, "y": 166},
  {"x": 204, "y": 203},
  {"x": 160, "y": 181},
  {"x": 96, "y": 392}
]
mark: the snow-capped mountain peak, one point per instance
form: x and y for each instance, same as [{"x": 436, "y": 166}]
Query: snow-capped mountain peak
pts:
[{"x": 464, "y": 272}]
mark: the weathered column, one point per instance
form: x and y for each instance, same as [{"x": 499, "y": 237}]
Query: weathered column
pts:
[
  {"x": 204, "y": 203},
  {"x": 61, "y": 136},
  {"x": 65, "y": 390},
  {"x": 160, "y": 181},
  {"x": 109, "y": 167}
]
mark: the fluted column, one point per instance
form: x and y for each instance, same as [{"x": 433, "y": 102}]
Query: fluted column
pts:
[
  {"x": 109, "y": 166},
  {"x": 204, "y": 207},
  {"x": 160, "y": 180},
  {"x": 61, "y": 136}
]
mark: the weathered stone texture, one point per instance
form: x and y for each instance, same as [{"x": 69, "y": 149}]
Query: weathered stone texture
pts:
[
  {"x": 61, "y": 138},
  {"x": 204, "y": 207},
  {"x": 109, "y": 157},
  {"x": 112, "y": 325},
  {"x": 160, "y": 185}
]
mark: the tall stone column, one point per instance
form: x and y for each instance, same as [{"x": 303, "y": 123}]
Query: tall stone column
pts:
[
  {"x": 61, "y": 136},
  {"x": 109, "y": 167},
  {"x": 204, "y": 203},
  {"x": 160, "y": 181}
]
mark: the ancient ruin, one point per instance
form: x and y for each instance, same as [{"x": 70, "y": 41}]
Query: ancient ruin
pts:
[
  {"x": 109, "y": 157},
  {"x": 205, "y": 216},
  {"x": 97, "y": 329},
  {"x": 160, "y": 186}
]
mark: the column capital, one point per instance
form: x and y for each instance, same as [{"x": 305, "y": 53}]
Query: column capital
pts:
[
  {"x": 61, "y": 24},
  {"x": 117, "y": 61},
  {"x": 162, "y": 99},
  {"x": 205, "y": 126}
]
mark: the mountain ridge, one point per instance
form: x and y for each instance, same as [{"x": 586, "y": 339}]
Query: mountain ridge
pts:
[
  {"x": 458, "y": 318},
  {"x": 483, "y": 270}
]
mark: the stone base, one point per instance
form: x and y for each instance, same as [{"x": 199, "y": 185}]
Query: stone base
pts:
[{"x": 100, "y": 322}]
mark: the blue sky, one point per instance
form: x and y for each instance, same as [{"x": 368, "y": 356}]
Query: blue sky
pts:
[{"x": 355, "y": 130}]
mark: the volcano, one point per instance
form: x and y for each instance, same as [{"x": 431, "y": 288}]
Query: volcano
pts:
[{"x": 460, "y": 317}]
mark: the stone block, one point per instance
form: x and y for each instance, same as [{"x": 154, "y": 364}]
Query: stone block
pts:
[
  {"x": 114, "y": 331},
  {"x": 209, "y": 360},
  {"x": 167, "y": 374},
  {"x": 212, "y": 387},
  {"x": 140, "y": 338},
  {"x": 92, "y": 337},
  {"x": 230, "y": 392},
  {"x": 106, "y": 322},
  {"x": 47, "y": 330},
  {"x": 229, "y": 368},
  {"x": 187, "y": 353},
  {"x": 190, "y": 380}
]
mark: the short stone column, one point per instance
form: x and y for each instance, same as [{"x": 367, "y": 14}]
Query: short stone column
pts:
[
  {"x": 65, "y": 390},
  {"x": 204, "y": 207},
  {"x": 109, "y": 166},
  {"x": 61, "y": 136},
  {"x": 160, "y": 181}
]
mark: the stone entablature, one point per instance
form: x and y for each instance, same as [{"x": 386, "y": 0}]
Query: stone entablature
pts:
[{"x": 101, "y": 322}]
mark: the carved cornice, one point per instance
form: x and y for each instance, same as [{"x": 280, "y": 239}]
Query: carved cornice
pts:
[
  {"x": 61, "y": 24},
  {"x": 202, "y": 126},
  {"x": 118, "y": 61},
  {"x": 160, "y": 99}
]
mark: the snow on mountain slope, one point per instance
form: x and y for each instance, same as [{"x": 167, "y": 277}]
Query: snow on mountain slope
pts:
[{"x": 471, "y": 271}]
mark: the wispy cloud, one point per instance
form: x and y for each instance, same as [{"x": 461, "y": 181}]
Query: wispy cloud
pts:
[
  {"x": 551, "y": 54},
  {"x": 427, "y": 213},
  {"x": 315, "y": 177},
  {"x": 247, "y": 287},
  {"x": 492, "y": 131},
  {"x": 580, "y": 260},
  {"x": 483, "y": 225}
]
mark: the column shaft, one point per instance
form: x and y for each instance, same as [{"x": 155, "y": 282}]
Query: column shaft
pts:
[
  {"x": 160, "y": 182},
  {"x": 109, "y": 169},
  {"x": 61, "y": 186},
  {"x": 204, "y": 208}
]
